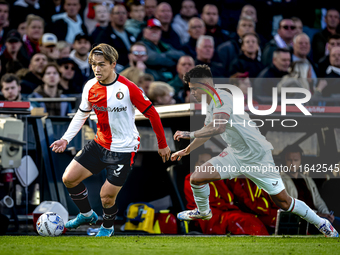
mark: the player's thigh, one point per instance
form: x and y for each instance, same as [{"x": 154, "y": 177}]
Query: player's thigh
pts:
[
  {"x": 264, "y": 174},
  {"x": 204, "y": 174},
  {"x": 226, "y": 165},
  {"x": 75, "y": 173}
]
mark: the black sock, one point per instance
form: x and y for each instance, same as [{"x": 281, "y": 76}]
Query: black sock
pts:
[
  {"x": 109, "y": 216},
  {"x": 79, "y": 195}
]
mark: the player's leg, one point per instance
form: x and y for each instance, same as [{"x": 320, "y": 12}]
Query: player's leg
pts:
[
  {"x": 213, "y": 170},
  {"x": 296, "y": 206},
  {"x": 84, "y": 164},
  {"x": 115, "y": 179}
]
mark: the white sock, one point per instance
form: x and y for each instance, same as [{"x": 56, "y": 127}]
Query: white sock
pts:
[
  {"x": 88, "y": 214},
  {"x": 300, "y": 208},
  {"x": 201, "y": 196}
]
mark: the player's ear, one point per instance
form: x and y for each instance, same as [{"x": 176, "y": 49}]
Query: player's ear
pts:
[{"x": 114, "y": 64}]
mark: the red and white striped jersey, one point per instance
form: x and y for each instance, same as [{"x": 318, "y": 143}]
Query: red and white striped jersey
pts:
[{"x": 114, "y": 106}]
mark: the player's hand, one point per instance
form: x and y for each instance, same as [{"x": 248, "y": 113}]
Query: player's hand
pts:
[
  {"x": 181, "y": 135},
  {"x": 59, "y": 146},
  {"x": 179, "y": 154},
  {"x": 164, "y": 153}
]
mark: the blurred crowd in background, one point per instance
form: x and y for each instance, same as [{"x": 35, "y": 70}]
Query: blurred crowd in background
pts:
[{"x": 44, "y": 46}]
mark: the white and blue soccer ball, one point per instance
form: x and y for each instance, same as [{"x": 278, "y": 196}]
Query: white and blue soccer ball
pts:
[{"x": 50, "y": 224}]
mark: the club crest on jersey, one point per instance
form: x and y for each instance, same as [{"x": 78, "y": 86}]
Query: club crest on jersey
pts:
[{"x": 119, "y": 95}]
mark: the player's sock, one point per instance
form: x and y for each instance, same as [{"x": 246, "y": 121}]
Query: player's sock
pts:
[
  {"x": 88, "y": 214},
  {"x": 109, "y": 216},
  {"x": 201, "y": 196},
  {"x": 79, "y": 195},
  {"x": 300, "y": 208}
]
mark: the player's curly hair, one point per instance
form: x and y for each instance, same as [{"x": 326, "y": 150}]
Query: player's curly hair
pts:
[{"x": 199, "y": 71}]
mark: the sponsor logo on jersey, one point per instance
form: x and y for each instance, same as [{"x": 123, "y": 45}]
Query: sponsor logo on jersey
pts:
[
  {"x": 275, "y": 183},
  {"x": 119, "y": 95},
  {"x": 109, "y": 109},
  {"x": 95, "y": 95}
]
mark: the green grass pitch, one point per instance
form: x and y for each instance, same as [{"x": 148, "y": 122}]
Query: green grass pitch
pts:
[{"x": 89, "y": 245}]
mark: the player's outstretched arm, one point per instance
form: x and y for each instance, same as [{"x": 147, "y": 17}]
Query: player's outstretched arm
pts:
[
  {"x": 179, "y": 154},
  {"x": 59, "y": 146}
]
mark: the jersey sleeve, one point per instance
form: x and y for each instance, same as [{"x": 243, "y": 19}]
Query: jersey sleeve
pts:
[
  {"x": 226, "y": 107},
  {"x": 85, "y": 105},
  {"x": 138, "y": 99}
]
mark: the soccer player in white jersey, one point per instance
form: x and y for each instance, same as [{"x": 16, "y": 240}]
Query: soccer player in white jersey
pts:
[
  {"x": 248, "y": 153},
  {"x": 113, "y": 98}
]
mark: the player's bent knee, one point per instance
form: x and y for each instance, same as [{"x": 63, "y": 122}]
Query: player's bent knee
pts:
[{"x": 197, "y": 180}]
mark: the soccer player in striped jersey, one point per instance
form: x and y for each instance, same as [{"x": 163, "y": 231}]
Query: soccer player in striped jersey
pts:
[
  {"x": 113, "y": 98},
  {"x": 248, "y": 153}
]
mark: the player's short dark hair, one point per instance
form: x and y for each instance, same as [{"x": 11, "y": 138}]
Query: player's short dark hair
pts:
[
  {"x": 9, "y": 77},
  {"x": 199, "y": 71}
]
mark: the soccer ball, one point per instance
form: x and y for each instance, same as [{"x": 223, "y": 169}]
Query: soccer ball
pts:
[{"x": 50, "y": 224}]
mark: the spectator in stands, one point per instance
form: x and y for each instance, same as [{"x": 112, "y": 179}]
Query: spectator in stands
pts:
[
  {"x": 184, "y": 65},
  {"x": 138, "y": 56},
  {"x": 49, "y": 89},
  {"x": 164, "y": 15},
  {"x": 228, "y": 51},
  {"x": 70, "y": 77},
  {"x": 161, "y": 56},
  {"x": 181, "y": 21},
  {"x": 35, "y": 30},
  {"x": 242, "y": 81},
  {"x": 298, "y": 24},
  {"x": 10, "y": 88},
  {"x": 269, "y": 77},
  {"x": 34, "y": 77},
  {"x": 210, "y": 17},
  {"x": 4, "y": 9},
  {"x": 247, "y": 61},
  {"x": 133, "y": 74},
  {"x": 144, "y": 82},
  {"x": 13, "y": 51},
  {"x": 150, "y": 9},
  {"x": 227, "y": 216},
  {"x": 196, "y": 29},
  {"x": 64, "y": 49},
  {"x": 301, "y": 49},
  {"x": 102, "y": 16},
  {"x": 283, "y": 39},
  {"x": 161, "y": 93},
  {"x": 205, "y": 53},
  {"x": 136, "y": 23},
  {"x": 68, "y": 24},
  {"x": 333, "y": 41},
  {"x": 22, "y": 28},
  {"x": 22, "y": 8},
  {"x": 48, "y": 46},
  {"x": 320, "y": 39},
  {"x": 116, "y": 36},
  {"x": 299, "y": 76},
  {"x": 333, "y": 74},
  {"x": 80, "y": 54},
  {"x": 301, "y": 186},
  {"x": 250, "y": 11}
]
